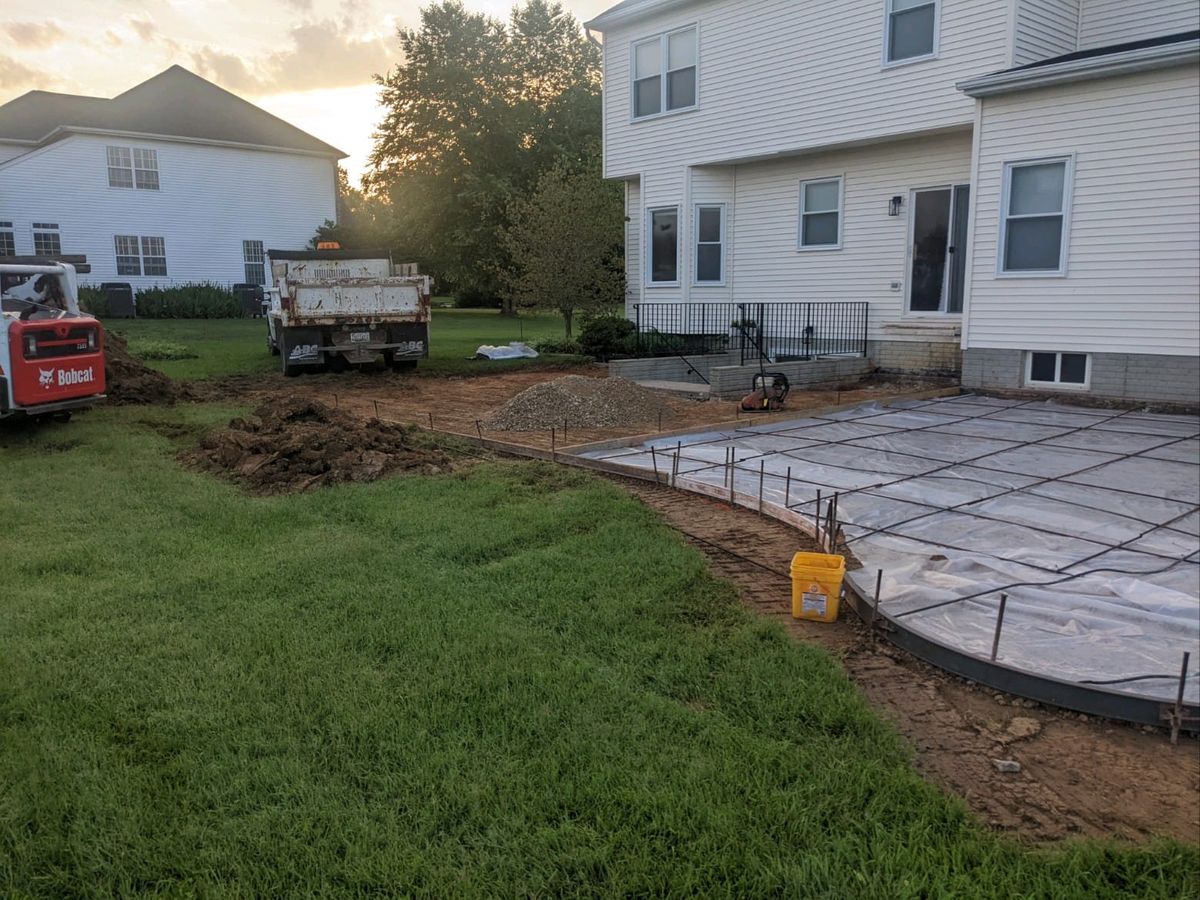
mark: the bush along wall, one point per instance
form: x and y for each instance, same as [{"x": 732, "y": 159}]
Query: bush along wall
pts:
[{"x": 185, "y": 301}]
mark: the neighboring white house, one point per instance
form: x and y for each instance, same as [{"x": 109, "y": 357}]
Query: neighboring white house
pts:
[
  {"x": 1012, "y": 186},
  {"x": 173, "y": 181}
]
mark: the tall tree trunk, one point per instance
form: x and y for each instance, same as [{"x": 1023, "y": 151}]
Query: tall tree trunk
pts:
[{"x": 567, "y": 315}]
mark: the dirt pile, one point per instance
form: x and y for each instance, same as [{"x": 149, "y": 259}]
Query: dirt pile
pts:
[
  {"x": 294, "y": 444},
  {"x": 579, "y": 402},
  {"x": 129, "y": 380}
]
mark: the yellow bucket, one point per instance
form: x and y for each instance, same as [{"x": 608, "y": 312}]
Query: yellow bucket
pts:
[{"x": 817, "y": 586}]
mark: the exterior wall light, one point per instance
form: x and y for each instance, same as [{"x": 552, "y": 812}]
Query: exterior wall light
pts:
[{"x": 894, "y": 205}]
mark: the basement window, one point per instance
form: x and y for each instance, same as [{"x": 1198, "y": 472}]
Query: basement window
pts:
[{"x": 1058, "y": 370}]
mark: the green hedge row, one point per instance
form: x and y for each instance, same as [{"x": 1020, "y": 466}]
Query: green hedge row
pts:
[{"x": 185, "y": 301}]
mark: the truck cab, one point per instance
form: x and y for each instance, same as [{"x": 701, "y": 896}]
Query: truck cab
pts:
[
  {"x": 51, "y": 353},
  {"x": 341, "y": 308}
]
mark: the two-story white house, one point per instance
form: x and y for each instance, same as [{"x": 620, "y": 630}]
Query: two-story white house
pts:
[
  {"x": 1011, "y": 186},
  {"x": 176, "y": 180}
]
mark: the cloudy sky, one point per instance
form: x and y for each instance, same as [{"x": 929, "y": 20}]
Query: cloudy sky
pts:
[{"x": 308, "y": 61}]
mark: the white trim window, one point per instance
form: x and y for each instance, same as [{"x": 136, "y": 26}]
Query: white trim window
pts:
[
  {"x": 253, "y": 260},
  {"x": 662, "y": 246},
  {"x": 129, "y": 258},
  {"x": 665, "y": 73},
  {"x": 8, "y": 239},
  {"x": 132, "y": 167},
  {"x": 910, "y": 30},
  {"x": 47, "y": 239},
  {"x": 140, "y": 256},
  {"x": 710, "y": 244},
  {"x": 1035, "y": 217},
  {"x": 821, "y": 214},
  {"x": 1071, "y": 371}
]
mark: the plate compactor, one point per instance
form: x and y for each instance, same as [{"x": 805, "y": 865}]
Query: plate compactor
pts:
[{"x": 768, "y": 390}]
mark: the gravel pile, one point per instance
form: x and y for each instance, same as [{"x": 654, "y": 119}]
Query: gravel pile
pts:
[{"x": 579, "y": 402}]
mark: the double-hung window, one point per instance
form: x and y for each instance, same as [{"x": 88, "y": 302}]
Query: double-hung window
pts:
[
  {"x": 663, "y": 245},
  {"x": 133, "y": 167},
  {"x": 710, "y": 244},
  {"x": 140, "y": 256},
  {"x": 821, "y": 214},
  {"x": 1033, "y": 227},
  {"x": 664, "y": 73},
  {"x": 910, "y": 31},
  {"x": 47, "y": 240},
  {"x": 8, "y": 240},
  {"x": 252, "y": 259}
]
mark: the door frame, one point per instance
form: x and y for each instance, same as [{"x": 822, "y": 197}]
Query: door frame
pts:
[{"x": 940, "y": 314}]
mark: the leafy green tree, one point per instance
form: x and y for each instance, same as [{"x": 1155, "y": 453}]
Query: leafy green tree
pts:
[
  {"x": 361, "y": 218},
  {"x": 564, "y": 244},
  {"x": 474, "y": 114}
]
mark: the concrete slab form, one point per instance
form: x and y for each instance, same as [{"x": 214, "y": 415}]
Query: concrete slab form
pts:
[{"x": 1086, "y": 520}]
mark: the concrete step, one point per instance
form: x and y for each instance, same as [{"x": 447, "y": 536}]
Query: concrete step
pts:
[{"x": 686, "y": 388}]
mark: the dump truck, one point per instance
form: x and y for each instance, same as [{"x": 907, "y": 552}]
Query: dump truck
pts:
[
  {"x": 51, "y": 353},
  {"x": 341, "y": 308}
]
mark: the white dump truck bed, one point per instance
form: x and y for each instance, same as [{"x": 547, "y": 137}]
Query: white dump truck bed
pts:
[{"x": 374, "y": 299}]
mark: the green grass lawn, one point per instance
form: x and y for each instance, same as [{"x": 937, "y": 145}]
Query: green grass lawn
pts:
[
  {"x": 238, "y": 346},
  {"x": 510, "y": 681}
]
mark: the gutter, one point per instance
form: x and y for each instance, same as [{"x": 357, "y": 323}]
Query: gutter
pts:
[
  {"x": 622, "y": 14},
  {"x": 1143, "y": 60}
]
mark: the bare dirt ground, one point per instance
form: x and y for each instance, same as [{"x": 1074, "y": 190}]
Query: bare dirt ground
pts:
[
  {"x": 463, "y": 405},
  {"x": 1079, "y": 776}
]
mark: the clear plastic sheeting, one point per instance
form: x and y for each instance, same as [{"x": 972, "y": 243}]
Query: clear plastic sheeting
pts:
[{"x": 1088, "y": 519}]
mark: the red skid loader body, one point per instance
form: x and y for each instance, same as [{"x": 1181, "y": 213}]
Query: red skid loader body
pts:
[{"x": 51, "y": 354}]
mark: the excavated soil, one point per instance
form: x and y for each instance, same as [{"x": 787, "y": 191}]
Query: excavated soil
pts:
[
  {"x": 294, "y": 444},
  {"x": 1079, "y": 776},
  {"x": 129, "y": 380},
  {"x": 579, "y": 402}
]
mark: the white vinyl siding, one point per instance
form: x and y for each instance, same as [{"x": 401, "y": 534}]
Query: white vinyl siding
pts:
[
  {"x": 910, "y": 30},
  {"x": 765, "y": 230},
  {"x": 779, "y": 76},
  {"x": 1045, "y": 29},
  {"x": 633, "y": 243},
  {"x": 1134, "y": 272},
  {"x": 214, "y": 197},
  {"x": 665, "y": 73},
  {"x": 821, "y": 214},
  {"x": 1106, "y": 22},
  {"x": 1035, "y": 209}
]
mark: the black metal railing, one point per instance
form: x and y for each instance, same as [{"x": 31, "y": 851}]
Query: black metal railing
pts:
[{"x": 773, "y": 332}]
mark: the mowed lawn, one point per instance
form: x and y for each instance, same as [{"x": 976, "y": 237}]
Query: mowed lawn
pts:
[
  {"x": 510, "y": 681},
  {"x": 225, "y": 346}
]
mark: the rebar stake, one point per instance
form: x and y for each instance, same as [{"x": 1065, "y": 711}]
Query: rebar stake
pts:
[
  {"x": 817, "y": 523},
  {"x": 999, "y": 625},
  {"x": 1177, "y": 715},
  {"x": 553, "y": 444},
  {"x": 761, "y": 476},
  {"x": 732, "y": 473},
  {"x": 431, "y": 421},
  {"x": 875, "y": 605},
  {"x": 478, "y": 430},
  {"x": 787, "y": 490},
  {"x": 654, "y": 462},
  {"x": 376, "y": 402}
]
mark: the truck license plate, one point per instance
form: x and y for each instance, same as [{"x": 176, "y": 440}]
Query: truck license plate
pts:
[{"x": 360, "y": 337}]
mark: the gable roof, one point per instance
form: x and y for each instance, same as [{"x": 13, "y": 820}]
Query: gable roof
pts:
[
  {"x": 628, "y": 11},
  {"x": 174, "y": 103}
]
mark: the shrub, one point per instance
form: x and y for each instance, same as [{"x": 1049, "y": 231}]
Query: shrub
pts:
[
  {"x": 93, "y": 300},
  {"x": 188, "y": 301},
  {"x": 470, "y": 298},
  {"x": 161, "y": 350},
  {"x": 607, "y": 336},
  {"x": 571, "y": 348}
]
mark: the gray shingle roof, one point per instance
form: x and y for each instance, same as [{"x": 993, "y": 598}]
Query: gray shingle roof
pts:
[{"x": 175, "y": 103}]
